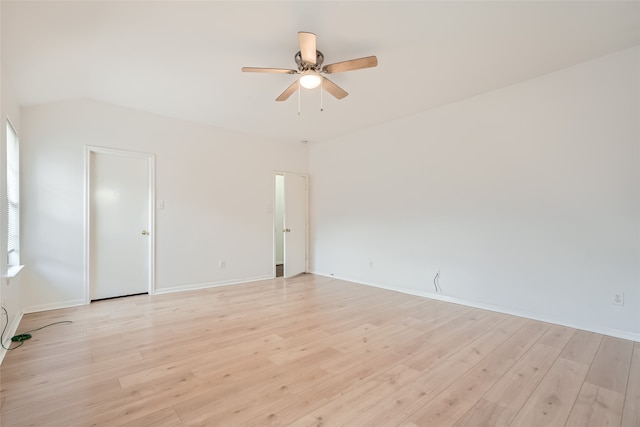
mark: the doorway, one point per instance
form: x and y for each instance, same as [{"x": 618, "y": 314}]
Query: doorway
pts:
[
  {"x": 279, "y": 225},
  {"x": 119, "y": 223},
  {"x": 290, "y": 224}
]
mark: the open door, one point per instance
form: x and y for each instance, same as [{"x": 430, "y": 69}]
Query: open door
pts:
[{"x": 295, "y": 229}]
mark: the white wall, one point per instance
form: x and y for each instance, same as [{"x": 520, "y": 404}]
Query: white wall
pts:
[
  {"x": 527, "y": 199},
  {"x": 217, "y": 187}
]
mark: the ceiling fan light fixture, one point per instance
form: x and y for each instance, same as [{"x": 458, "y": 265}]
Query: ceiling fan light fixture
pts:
[{"x": 310, "y": 80}]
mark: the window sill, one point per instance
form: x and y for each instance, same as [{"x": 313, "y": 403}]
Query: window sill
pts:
[{"x": 13, "y": 272}]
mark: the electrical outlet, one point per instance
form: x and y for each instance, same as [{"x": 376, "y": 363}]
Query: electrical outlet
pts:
[
  {"x": 618, "y": 299},
  {"x": 222, "y": 264}
]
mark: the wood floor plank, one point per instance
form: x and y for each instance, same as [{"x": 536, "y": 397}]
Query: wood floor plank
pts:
[
  {"x": 332, "y": 388},
  {"x": 485, "y": 413},
  {"x": 237, "y": 412},
  {"x": 582, "y": 347},
  {"x": 631, "y": 411},
  {"x": 177, "y": 367},
  {"x": 205, "y": 406},
  {"x": 610, "y": 368},
  {"x": 162, "y": 418},
  {"x": 359, "y": 400},
  {"x": 503, "y": 401},
  {"x": 20, "y": 394},
  {"x": 459, "y": 397},
  {"x": 311, "y": 350},
  {"x": 439, "y": 344},
  {"x": 407, "y": 403},
  {"x": 79, "y": 391},
  {"x": 596, "y": 406},
  {"x": 553, "y": 399},
  {"x": 501, "y": 404}
]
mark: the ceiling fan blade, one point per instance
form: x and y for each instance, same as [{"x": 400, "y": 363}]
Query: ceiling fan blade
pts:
[
  {"x": 307, "y": 47},
  {"x": 333, "y": 88},
  {"x": 353, "y": 64},
  {"x": 288, "y": 91},
  {"x": 268, "y": 70}
]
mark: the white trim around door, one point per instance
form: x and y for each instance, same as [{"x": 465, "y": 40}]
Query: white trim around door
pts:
[{"x": 150, "y": 158}]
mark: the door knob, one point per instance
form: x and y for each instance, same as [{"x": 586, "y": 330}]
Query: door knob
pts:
[
  {"x": 287, "y": 230},
  {"x": 145, "y": 232}
]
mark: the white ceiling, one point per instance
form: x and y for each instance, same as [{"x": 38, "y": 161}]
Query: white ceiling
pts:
[{"x": 183, "y": 59}]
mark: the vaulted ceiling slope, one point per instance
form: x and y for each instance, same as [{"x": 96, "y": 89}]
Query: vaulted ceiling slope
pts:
[{"x": 183, "y": 59}]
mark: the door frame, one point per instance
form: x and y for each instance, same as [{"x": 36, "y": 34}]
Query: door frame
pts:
[
  {"x": 151, "y": 161},
  {"x": 306, "y": 219}
]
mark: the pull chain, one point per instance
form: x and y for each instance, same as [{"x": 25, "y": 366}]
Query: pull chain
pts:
[
  {"x": 321, "y": 90},
  {"x": 299, "y": 90}
]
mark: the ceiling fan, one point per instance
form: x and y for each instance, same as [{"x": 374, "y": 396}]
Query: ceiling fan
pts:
[{"x": 310, "y": 68}]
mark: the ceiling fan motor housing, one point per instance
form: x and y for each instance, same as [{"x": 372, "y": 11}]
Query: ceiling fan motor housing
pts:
[{"x": 304, "y": 66}]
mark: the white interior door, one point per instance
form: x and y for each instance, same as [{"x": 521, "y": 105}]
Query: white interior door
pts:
[
  {"x": 119, "y": 225},
  {"x": 295, "y": 224}
]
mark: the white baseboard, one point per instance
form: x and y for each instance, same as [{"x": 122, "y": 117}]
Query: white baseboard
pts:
[
  {"x": 211, "y": 284},
  {"x": 53, "y": 306},
  {"x": 499, "y": 309},
  {"x": 11, "y": 331},
  {"x": 76, "y": 303}
]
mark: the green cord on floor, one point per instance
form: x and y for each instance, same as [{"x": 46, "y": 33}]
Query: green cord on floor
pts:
[{"x": 21, "y": 338}]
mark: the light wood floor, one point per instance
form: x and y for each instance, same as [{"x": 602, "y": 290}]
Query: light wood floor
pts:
[{"x": 308, "y": 352}]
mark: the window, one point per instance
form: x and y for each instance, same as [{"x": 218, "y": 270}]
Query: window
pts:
[{"x": 13, "y": 197}]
